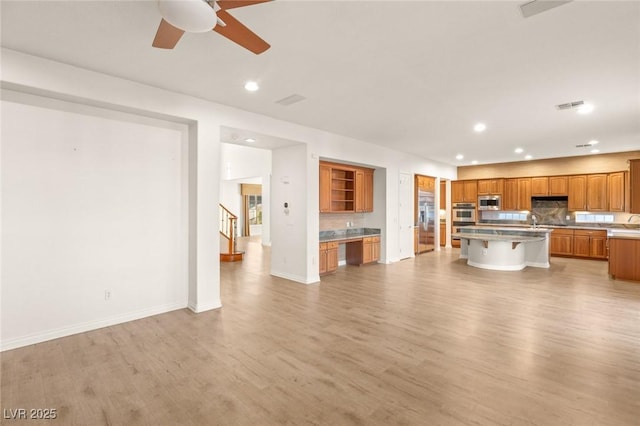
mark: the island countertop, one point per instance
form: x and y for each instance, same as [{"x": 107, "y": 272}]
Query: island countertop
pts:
[{"x": 492, "y": 230}]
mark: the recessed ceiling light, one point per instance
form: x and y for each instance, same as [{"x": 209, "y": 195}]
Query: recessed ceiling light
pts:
[
  {"x": 518, "y": 150},
  {"x": 585, "y": 109},
  {"x": 459, "y": 157},
  {"x": 595, "y": 151},
  {"x": 528, "y": 157},
  {"x": 250, "y": 140},
  {"x": 480, "y": 127},
  {"x": 474, "y": 162},
  {"x": 593, "y": 142},
  {"x": 251, "y": 86}
]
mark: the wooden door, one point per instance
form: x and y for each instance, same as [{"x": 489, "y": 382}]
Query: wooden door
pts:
[
  {"x": 539, "y": 186},
  {"x": 325, "y": 188},
  {"x": 598, "y": 245},
  {"x": 443, "y": 234},
  {"x": 597, "y": 192},
  {"x": 581, "y": 245},
  {"x": 616, "y": 192},
  {"x": 443, "y": 195},
  {"x": 510, "y": 197},
  {"x": 470, "y": 189},
  {"x": 332, "y": 257},
  {"x": 367, "y": 189},
  {"x": 484, "y": 186},
  {"x": 457, "y": 191},
  {"x": 375, "y": 249},
  {"x": 558, "y": 185},
  {"x": 577, "y": 193},
  {"x": 322, "y": 262},
  {"x": 524, "y": 194},
  {"x": 367, "y": 250},
  {"x": 634, "y": 186},
  {"x": 561, "y": 242},
  {"x": 359, "y": 190}
]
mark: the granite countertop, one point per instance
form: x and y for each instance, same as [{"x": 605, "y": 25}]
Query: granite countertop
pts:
[
  {"x": 594, "y": 226},
  {"x": 498, "y": 237},
  {"x": 493, "y": 230},
  {"x": 629, "y": 234},
  {"x": 348, "y": 234}
]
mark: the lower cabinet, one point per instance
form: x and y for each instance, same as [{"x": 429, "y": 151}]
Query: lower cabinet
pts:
[
  {"x": 328, "y": 258},
  {"x": 623, "y": 255},
  {"x": 443, "y": 234},
  {"x": 561, "y": 243},
  {"x": 584, "y": 243}
]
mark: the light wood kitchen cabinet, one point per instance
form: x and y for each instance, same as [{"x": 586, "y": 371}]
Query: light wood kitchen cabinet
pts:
[
  {"x": 590, "y": 243},
  {"x": 634, "y": 186},
  {"x": 597, "y": 199},
  {"x": 623, "y": 258},
  {"x": 558, "y": 185},
  {"x": 510, "y": 196},
  {"x": 517, "y": 194},
  {"x": 443, "y": 234},
  {"x": 561, "y": 242},
  {"x": 539, "y": 186},
  {"x": 325, "y": 188},
  {"x": 364, "y": 191},
  {"x": 490, "y": 186},
  {"x": 328, "y": 258},
  {"x": 464, "y": 191},
  {"x": 524, "y": 194},
  {"x": 616, "y": 191},
  {"x": 585, "y": 243},
  {"x": 345, "y": 189},
  {"x": 577, "y": 193}
]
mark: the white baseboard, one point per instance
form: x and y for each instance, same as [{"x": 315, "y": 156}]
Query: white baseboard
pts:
[
  {"x": 44, "y": 336},
  {"x": 203, "y": 307},
  {"x": 297, "y": 278}
]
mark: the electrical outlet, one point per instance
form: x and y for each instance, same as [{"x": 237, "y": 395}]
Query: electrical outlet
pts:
[
  {"x": 484, "y": 251},
  {"x": 107, "y": 295}
]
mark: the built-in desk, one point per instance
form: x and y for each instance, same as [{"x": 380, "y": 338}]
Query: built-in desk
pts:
[{"x": 362, "y": 246}]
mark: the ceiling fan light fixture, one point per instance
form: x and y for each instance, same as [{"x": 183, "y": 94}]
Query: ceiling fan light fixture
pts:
[{"x": 194, "y": 16}]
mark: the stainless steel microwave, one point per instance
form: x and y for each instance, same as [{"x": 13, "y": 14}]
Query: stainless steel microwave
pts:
[{"x": 489, "y": 202}]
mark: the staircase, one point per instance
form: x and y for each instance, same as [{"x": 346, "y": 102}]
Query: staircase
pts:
[{"x": 228, "y": 229}]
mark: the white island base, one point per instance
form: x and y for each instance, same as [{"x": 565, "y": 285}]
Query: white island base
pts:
[{"x": 504, "y": 250}]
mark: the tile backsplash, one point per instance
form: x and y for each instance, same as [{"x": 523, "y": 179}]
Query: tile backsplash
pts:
[{"x": 330, "y": 221}]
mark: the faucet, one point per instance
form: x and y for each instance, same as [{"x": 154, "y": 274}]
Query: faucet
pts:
[
  {"x": 632, "y": 216},
  {"x": 534, "y": 219}
]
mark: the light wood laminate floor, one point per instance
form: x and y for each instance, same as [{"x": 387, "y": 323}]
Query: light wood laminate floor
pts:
[{"x": 424, "y": 341}]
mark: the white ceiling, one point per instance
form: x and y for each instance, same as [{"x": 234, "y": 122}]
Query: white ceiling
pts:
[{"x": 411, "y": 75}]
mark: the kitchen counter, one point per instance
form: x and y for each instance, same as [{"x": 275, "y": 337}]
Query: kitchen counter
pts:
[
  {"x": 348, "y": 234},
  {"x": 504, "y": 248},
  {"x": 590, "y": 226}
]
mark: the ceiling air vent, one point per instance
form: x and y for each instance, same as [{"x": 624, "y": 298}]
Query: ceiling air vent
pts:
[
  {"x": 569, "y": 105},
  {"x": 292, "y": 99},
  {"x": 538, "y": 6}
]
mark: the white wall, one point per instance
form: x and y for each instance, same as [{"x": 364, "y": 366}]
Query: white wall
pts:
[
  {"x": 90, "y": 204},
  {"x": 30, "y": 74},
  {"x": 289, "y": 225}
]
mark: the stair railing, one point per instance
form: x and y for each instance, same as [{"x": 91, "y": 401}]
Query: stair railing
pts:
[{"x": 229, "y": 227}]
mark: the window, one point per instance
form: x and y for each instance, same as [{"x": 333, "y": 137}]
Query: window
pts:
[{"x": 255, "y": 209}]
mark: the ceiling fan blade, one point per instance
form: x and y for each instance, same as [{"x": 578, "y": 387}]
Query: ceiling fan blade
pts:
[
  {"x": 232, "y": 4},
  {"x": 167, "y": 36},
  {"x": 238, "y": 33}
]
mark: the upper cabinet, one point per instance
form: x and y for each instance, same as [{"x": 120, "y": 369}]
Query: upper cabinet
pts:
[
  {"x": 597, "y": 197},
  {"x": 490, "y": 186},
  {"x": 539, "y": 186},
  {"x": 616, "y": 190},
  {"x": 464, "y": 191},
  {"x": 558, "y": 185},
  {"x": 517, "y": 194},
  {"x": 634, "y": 186},
  {"x": 577, "y": 193},
  {"x": 345, "y": 189}
]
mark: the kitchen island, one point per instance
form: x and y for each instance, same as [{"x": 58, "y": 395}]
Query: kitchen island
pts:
[{"x": 504, "y": 249}]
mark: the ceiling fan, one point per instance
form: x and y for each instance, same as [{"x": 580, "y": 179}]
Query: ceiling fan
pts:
[{"x": 180, "y": 16}]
